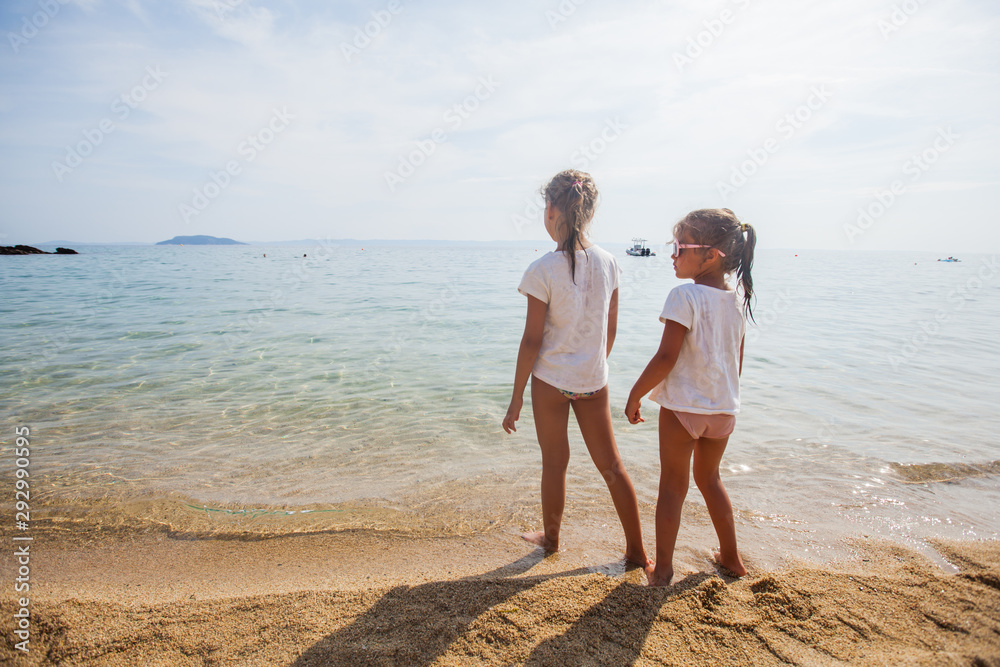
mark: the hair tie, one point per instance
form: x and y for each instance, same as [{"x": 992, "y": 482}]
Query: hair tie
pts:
[
  {"x": 744, "y": 226},
  {"x": 575, "y": 183}
]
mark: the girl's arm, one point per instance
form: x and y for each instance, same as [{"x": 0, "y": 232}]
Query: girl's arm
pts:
[
  {"x": 531, "y": 342},
  {"x": 658, "y": 368},
  {"x": 612, "y": 321}
]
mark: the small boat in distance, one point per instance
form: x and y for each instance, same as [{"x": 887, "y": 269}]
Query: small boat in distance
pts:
[
  {"x": 950, "y": 259},
  {"x": 639, "y": 249}
]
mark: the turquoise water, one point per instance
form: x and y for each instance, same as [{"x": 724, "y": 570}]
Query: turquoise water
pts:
[{"x": 381, "y": 374}]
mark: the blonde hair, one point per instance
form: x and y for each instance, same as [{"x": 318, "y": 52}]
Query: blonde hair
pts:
[
  {"x": 575, "y": 195},
  {"x": 721, "y": 229}
]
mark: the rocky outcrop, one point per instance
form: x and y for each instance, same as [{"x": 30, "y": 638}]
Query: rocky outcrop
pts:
[
  {"x": 20, "y": 250},
  {"x": 30, "y": 250}
]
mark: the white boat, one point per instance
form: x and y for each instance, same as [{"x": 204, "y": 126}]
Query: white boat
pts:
[
  {"x": 950, "y": 259},
  {"x": 639, "y": 249}
]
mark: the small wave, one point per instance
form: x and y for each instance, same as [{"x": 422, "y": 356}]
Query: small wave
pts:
[
  {"x": 431, "y": 511},
  {"x": 142, "y": 335},
  {"x": 922, "y": 473}
]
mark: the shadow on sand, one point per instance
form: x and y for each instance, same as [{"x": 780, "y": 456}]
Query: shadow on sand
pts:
[{"x": 414, "y": 625}]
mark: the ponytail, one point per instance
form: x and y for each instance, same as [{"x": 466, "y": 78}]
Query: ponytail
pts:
[
  {"x": 746, "y": 263},
  {"x": 574, "y": 194}
]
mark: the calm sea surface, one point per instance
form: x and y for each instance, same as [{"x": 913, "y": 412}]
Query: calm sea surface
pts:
[{"x": 375, "y": 379}]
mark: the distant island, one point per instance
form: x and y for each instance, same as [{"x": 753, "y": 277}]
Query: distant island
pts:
[{"x": 200, "y": 240}]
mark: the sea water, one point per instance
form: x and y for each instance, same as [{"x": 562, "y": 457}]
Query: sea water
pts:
[{"x": 375, "y": 378}]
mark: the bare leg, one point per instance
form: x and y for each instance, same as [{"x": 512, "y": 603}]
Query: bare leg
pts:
[
  {"x": 676, "y": 445},
  {"x": 707, "y": 456},
  {"x": 593, "y": 414},
  {"x": 551, "y": 411}
]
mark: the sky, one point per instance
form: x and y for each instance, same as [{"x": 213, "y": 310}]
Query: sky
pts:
[{"x": 860, "y": 124}]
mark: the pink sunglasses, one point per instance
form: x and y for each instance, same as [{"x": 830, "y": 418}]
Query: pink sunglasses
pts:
[{"x": 677, "y": 247}]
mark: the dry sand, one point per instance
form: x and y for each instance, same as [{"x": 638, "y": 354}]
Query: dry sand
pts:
[{"x": 368, "y": 598}]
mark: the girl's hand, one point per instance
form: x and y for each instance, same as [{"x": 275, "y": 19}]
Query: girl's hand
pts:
[
  {"x": 632, "y": 411},
  {"x": 513, "y": 414}
]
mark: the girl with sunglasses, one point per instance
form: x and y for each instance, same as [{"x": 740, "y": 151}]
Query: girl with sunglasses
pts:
[{"x": 695, "y": 377}]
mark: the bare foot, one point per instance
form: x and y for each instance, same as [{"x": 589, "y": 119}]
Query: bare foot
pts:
[
  {"x": 731, "y": 566},
  {"x": 538, "y": 539},
  {"x": 659, "y": 576},
  {"x": 638, "y": 558}
]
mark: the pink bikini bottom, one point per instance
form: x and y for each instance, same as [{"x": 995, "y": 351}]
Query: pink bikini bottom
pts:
[{"x": 706, "y": 426}]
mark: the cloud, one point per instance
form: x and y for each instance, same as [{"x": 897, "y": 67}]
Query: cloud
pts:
[
  {"x": 236, "y": 20},
  {"x": 686, "y": 126}
]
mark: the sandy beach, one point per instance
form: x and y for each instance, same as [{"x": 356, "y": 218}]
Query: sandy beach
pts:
[{"x": 368, "y": 597}]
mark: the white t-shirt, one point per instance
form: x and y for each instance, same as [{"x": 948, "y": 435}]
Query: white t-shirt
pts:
[
  {"x": 573, "y": 355},
  {"x": 706, "y": 378}
]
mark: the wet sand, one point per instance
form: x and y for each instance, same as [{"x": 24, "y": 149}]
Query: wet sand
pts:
[{"x": 364, "y": 597}]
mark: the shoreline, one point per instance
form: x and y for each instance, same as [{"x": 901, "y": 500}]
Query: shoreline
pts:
[
  {"x": 369, "y": 597},
  {"x": 592, "y": 536}
]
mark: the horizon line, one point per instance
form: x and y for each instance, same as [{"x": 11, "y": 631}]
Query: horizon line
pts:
[{"x": 524, "y": 242}]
